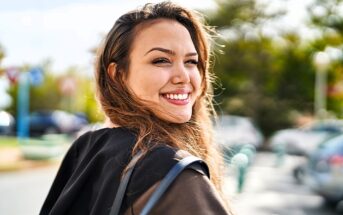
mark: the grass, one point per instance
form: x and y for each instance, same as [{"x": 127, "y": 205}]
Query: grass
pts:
[
  {"x": 8, "y": 142},
  {"x": 33, "y": 152},
  {"x": 12, "y": 141}
]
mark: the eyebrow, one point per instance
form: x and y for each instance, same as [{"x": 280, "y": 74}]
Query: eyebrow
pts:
[{"x": 170, "y": 52}]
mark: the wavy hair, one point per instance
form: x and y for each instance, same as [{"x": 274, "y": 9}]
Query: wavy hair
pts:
[{"x": 123, "y": 108}]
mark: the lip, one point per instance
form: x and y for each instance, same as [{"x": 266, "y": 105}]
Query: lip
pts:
[
  {"x": 178, "y": 91},
  {"x": 176, "y": 101}
]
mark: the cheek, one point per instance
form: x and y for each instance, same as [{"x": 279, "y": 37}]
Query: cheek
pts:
[
  {"x": 146, "y": 84},
  {"x": 197, "y": 82}
]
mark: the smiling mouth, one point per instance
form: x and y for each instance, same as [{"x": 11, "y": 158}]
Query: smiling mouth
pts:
[{"x": 176, "y": 96}]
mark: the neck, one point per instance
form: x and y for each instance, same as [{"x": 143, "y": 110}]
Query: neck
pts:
[{"x": 109, "y": 124}]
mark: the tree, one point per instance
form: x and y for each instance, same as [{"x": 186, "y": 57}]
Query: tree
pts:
[
  {"x": 327, "y": 18},
  {"x": 2, "y": 53},
  {"x": 246, "y": 70},
  {"x": 2, "y": 56},
  {"x": 267, "y": 78},
  {"x": 50, "y": 95}
]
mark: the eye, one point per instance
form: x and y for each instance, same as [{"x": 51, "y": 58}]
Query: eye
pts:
[
  {"x": 192, "y": 61},
  {"x": 161, "y": 60}
]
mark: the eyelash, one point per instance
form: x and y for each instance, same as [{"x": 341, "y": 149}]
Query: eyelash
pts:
[
  {"x": 195, "y": 62},
  {"x": 165, "y": 60},
  {"x": 160, "y": 60}
]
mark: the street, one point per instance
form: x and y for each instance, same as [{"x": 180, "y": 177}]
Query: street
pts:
[
  {"x": 23, "y": 192},
  {"x": 271, "y": 190},
  {"x": 268, "y": 190}
]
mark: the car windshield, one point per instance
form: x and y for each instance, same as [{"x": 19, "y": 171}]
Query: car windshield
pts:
[
  {"x": 333, "y": 146},
  {"x": 329, "y": 126}
]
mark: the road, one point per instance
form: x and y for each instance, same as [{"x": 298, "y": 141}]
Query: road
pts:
[
  {"x": 271, "y": 190},
  {"x": 268, "y": 190},
  {"x": 23, "y": 192}
]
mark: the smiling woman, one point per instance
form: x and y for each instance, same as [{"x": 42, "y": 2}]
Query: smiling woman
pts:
[
  {"x": 163, "y": 69},
  {"x": 154, "y": 86}
]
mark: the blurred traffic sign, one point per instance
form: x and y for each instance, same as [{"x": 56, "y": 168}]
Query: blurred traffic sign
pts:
[
  {"x": 12, "y": 74},
  {"x": 67, "y": 86},
  {"x": 36, "y": 76}
]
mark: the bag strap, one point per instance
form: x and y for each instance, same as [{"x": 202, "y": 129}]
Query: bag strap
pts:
[
  {"x": 188, "y": 162},
  {"x": 123, "y": 185},
  {"x": 167, "y": 181}
]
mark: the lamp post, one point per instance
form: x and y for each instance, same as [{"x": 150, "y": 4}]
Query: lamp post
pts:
[{"x": 321, "y": 62}]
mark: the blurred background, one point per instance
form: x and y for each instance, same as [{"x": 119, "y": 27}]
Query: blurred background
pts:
[{"x": 278, "y": 94}]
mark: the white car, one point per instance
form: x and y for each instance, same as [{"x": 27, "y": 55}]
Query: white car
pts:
[
  {"x": 233, "y": 131},
  {"x": 303, "y": 141},
  {"x": 6, "y": 123}
]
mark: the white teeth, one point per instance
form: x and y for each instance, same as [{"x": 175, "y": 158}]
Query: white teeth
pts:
[{"x": 177, "y": 96}]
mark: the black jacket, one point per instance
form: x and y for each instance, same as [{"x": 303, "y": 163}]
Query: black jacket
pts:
[{"x": 89, "y": 176}]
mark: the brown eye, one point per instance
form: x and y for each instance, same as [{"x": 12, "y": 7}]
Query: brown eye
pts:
[
  {"x": 160, "y": 61},
  {"x": 194, "y": 62}
]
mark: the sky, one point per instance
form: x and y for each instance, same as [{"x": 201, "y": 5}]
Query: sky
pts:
[{"x": 64, "y": 31}]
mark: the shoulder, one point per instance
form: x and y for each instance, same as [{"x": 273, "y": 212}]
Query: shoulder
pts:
[
  {"x": 108, "y": 138},
  {"x": 195, "y": 195},
  {"x": 152, "y": 168},
  {"x": 159, "y": 161}
]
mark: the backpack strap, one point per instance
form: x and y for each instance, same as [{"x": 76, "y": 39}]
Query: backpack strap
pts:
[
  {"x": 188, "y": 162},
  {"x": 123, "y": 185}
]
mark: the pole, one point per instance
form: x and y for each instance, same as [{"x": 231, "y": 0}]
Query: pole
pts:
[
  {"x": 320, "y": 93},
  {"x": 321, "y": 62},
  {"x": 23, "y": 107}
]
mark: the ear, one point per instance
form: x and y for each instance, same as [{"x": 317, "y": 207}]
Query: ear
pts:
[{"x": 111, "y": 70}]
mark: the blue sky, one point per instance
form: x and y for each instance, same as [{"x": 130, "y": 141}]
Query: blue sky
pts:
[{"x": 65, "y": 30}]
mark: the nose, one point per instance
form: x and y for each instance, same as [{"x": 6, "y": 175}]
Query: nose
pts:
[{"x": 180, "y": 74}]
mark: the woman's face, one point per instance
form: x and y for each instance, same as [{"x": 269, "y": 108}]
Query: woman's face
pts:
[{"x": 163, "y": 69}]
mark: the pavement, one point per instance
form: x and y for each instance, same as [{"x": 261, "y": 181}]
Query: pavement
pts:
[
  {"x": 268, "y": 190},
  {"x": 23, "y": 191},
  {"x": 271, "y": 190},
  {"x": 12, "y": 159}
]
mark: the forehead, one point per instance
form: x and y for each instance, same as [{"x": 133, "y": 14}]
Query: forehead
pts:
[{"x": 164, "y": 33}]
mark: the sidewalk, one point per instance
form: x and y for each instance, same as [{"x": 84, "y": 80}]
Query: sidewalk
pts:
[
  {"x": 271, "y": 190},
  {"x": 11, "y": 159}
]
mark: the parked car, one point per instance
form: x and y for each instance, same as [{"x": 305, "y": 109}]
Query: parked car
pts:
[
  {"x": 303, "y": 141},
  {"x": 233, "y": 133},
  {"x": 324, "y": 173},
  {"x": 54, "y": 122},
  {"x": 7, "y": 123}
]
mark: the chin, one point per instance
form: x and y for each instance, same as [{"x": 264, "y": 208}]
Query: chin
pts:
[
  {"x": 173, "y": 116},
  {"x": 178, "y": 119}
]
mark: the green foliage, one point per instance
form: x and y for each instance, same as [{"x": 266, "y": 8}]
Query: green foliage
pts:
[
  {"x": 2, "y": 53},
  {"x": 49, "y": 95},
  {"x": 2, "y": 56},
  {"x": 265, "y": 78},
  {"x": 327, "y": 17}
]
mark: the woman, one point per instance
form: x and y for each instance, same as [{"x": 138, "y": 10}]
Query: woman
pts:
[{"x": 154, "y": 87}]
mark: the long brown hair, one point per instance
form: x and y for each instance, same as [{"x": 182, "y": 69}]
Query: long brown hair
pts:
[{"x": 125, "y": 109}]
